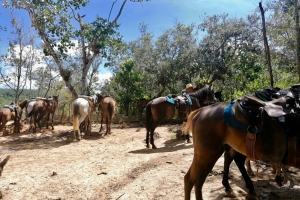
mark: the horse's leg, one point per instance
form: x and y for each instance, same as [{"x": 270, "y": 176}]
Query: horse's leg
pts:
[
  {"x": 249, "y": 169},
  {"x": 228, "y": 158},
  {"x": 34, "y": 122},
  {"x": 101, "y": 123},
  {"x": 284, "y": 171},
  {"x": 187, "y": 136},
  {"x": 106, "y": 122},
  {"x": 277, "y": 177},
  {"x": 39, "y": 118},
  {"x": 89, "y": 124},
  {"x": 52, "y": 119},
  {"x": 152, "y": 129},
  {"x": 239, "y": 159},
  {"x": 47, "y": 120},
  {"x": 199, "y": 170}
]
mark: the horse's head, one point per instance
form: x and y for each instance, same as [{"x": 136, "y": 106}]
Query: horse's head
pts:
[
  {"x": 205, "y": 95},
  {"x": 98, "y": 98}
]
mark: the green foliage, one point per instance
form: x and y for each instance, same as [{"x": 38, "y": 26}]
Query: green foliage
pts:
[
  {"x": 7, "y": 96},
  {"x": 127, "y": 85}
]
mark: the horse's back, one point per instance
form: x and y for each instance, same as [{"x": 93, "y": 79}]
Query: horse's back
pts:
[{"x": 82, "y": 104}]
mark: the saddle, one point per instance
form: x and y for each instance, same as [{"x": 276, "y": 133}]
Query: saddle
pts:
[
  {"x": 13, "y": 107},
  {"x": 249, "y": 110},
  {"x": 182, "y": 103},
  {"x": 48, "y": 100},
  {"x": 267, "y": 94}
]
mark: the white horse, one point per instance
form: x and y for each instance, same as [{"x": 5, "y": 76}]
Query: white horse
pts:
[
  {"x": 29, "y": 108},
  {"x": 83, "y": 107}
]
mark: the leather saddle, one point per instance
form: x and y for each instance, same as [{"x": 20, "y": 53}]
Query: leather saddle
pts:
[
  {"x": 248, "y": 109},
  {"x": 182, "y": 103}
]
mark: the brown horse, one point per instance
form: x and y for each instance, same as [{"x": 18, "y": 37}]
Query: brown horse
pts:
[
  {"x": 162, "y": 107},
  {"x": 266, "y": 94},
  {"x": 107, "y": 108},
  {"x": 43, "y": 107},
  {"x": 12, "y": 112},
  {"x": 141, "y": 104},
  {"x": 211, "y": 132}
]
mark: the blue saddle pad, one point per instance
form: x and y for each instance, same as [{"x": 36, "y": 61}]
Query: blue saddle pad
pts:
[
  {"x": 170, "y": 100},
  {"x": 231, "y": 120},
  {"x": 189, "y": 98}
]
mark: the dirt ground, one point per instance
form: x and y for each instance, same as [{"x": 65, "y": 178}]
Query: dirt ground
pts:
[{"x": 118, "y": 167}]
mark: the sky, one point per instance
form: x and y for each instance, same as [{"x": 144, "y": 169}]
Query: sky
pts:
[{"x": 158, "y": 15}]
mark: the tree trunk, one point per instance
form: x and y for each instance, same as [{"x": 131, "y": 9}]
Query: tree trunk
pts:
[
  {"x": 298, "y": 38},
  {"x": 268, "y": 58}
]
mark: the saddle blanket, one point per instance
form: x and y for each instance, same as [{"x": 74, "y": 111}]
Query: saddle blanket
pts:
[
  {"x": 172, "y": 101},
  {"x": 231, "y": 120}
]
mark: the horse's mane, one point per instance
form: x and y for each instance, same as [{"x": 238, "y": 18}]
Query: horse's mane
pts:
[
  {"x": 201, "y": 94},
  {"x": 23, "y": 103}
]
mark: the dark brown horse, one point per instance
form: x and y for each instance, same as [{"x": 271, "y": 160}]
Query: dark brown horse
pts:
[
  {"x": 211, "y": 132},
  {"x": 162, "y": 107},
  {"x": 44, "y": 107},
  {"x": 12, "y": 112},
  {"x": 141, "y": 104},
  {"x": 107, "y": 108}
]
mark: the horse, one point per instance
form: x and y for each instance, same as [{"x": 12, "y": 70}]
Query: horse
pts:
[
  {"x": 12, "y": 112},
  {"x": 263, "y": 140},
  {"x": 178, "y": 108},
  {"x": 29, "y": 108},
  {"x": 141, "y": 104},
  {"x": 43, "y": 107},
  {"x": 83, "y": 107},
  {"x": 266, "y": 94},
  {"x": 107, "y": 108}
]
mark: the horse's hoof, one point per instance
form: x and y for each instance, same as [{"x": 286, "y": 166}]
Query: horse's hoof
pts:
[
  {"x": 251, "y": 197},
  {"x": 278, "y": 181},
  {"x": 230, "y": 194},
  {"x": 148, "y": 146},
  {"x": 154, "y": 147},
  {"x": 188, "y": 141},
  {"x": 250, "y": 173}
]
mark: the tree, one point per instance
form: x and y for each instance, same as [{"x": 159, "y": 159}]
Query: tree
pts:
[
  {"x": 53, "y": 22},
  {"x": 267, "y": 52},
  {"x": 127, "y": 85},
  {"x": 17, "y": 63}
]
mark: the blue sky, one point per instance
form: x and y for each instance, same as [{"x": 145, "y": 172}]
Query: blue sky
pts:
[{"x": 159, "y": 15}]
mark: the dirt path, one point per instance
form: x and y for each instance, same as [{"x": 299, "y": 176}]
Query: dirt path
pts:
[{"x": 117, "y": 166}]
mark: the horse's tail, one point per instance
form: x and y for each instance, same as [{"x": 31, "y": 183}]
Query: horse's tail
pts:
[
  {"x": 111, "y": 110},
  {"x": 75, "y": 117},
  {"x": 148, "y": 116},
  {"x": 188, "y": 126}
]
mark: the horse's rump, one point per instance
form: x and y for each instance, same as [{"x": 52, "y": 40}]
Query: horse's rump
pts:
[{"x": 189, "y": 123}]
